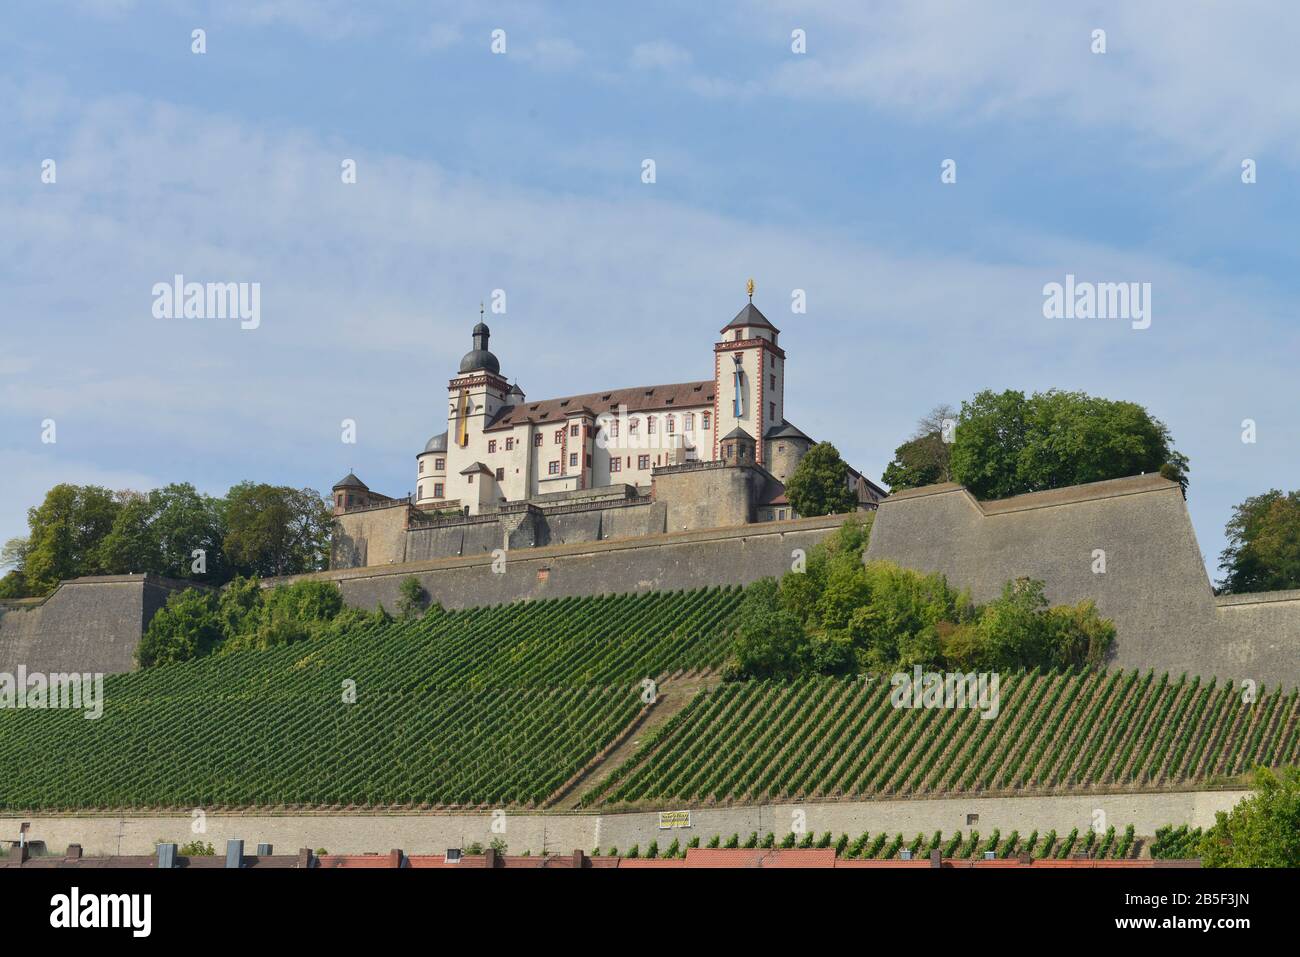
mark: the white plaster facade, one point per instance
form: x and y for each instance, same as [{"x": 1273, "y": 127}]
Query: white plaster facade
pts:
[{"x": 499, "y": 447}]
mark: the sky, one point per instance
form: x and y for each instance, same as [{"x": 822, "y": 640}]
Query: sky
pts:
[{"x": 521, "y": 169}]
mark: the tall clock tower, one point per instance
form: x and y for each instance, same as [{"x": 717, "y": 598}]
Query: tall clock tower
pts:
[{"x": 749, "y": 377}]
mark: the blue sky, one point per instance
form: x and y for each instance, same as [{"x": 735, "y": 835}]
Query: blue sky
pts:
[{"x": 521, "y": 172}]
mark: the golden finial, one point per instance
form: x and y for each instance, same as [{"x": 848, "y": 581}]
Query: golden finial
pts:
[{"x": 749, "y": 288}]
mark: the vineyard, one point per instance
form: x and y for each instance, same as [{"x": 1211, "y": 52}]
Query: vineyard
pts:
[
  {"x": 769, "y": 741},
  {"x": 497, "y": 705},
  {"x": 1093, "y": 844},
  {"x": 513, "y": 704}
]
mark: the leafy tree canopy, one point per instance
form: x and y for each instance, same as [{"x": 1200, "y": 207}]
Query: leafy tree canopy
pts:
[
  {"x": 819, "y": 483},
  {"x": 1263, "y": 552},
  {"x": 65, "y": 532},
  {"x": 1007, "y": 444},
  {"x": 1261, "y": 831},
  {"x": 276, "y": 530},
  {"x": 839, "y": 616},
  {"x": 925, "y": 458}
]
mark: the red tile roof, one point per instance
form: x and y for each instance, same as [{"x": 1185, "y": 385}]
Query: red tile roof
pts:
[{"x": 646, "y": 398}]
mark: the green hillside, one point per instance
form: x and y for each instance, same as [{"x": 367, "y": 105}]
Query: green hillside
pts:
[
  {"x": 496, "y": 705},
  {"x": 832, "y": 737}
]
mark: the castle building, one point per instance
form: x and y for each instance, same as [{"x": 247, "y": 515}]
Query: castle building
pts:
[
  {"x": 499, "y": 447},
  {"x": 501, "y": 452}
]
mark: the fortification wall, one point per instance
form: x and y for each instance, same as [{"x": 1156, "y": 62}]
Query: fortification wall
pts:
[
  {"x": 434, "y": 832},
  {"x": 86, "y": 625},
  {"x": 724, "y": 556},
  {"x": 1154, "y": 585},
  {"x": 707, "y": 494}
]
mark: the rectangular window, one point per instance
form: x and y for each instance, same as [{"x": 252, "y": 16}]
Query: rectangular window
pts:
[
  {"x": 573, "y": 431},
  {"x": 419, "y": 491},
  {"x": 650, "y": 424},
  {"x": 437, "y": 490},
  {"x": 492, "y": 446},
  {"x": 613, "y": 428},
  {"x": 440, "y": 465},
  {"x": 537, "y": 439},
  {"x": 553, "y": 467},
  {"x": 672, "y": 424},
  {"x": 704, "y": 420},
  {"x": 633, "y": 425},
  {"x": 772, "y": 377},
  {"x": 559, "y": 436},
  {"x": 643, "y": 461},
  {"x": 688, "y": 422},
  {"x": 510, "y": 444},
  {"x": 771, "y": 411},
  {"x": 573, "y": 460},
  {"x": 501, "y": 475},
  {"x": 588, "y": 461},
  {"x": 616, "y": 465},
  {"x": 421, "y": 466},
  {"x": 470, "y": 478}
]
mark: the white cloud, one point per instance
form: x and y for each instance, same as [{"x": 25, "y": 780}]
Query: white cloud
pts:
[
  {"x": 1204, "y": 80},
  {"x": 659, "y": 55},
  {"x": 369, "y": 292}
]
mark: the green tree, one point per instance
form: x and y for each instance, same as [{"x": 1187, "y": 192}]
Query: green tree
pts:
[
  {"x": 1263, "y": 552},
  {"x": 186, "y": 520},
  {"x": 412, "y": 597},
  {"x": 276, "y": 530},
  {"x": 819, "y": 484},
  {"x": 131, "y": 545},
  {"x": 186, "y": 627},
  {"x": 13, "y": 585},
  {"x": 925, "y": 458},
  {"x": 13, "y": 556},
  {"x": 769, "y": 642},
  {"x": 66, "y": 530},
  {"x": 1007, "y": 444},
  {"x": 1261, "y": 831},
  {"x": 160, "y": 532}
]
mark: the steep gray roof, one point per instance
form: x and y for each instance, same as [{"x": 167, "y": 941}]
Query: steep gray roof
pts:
[
  {"x": 750, "y": 316},
  {"x": 475, "y": 467},
  {"x": 738, "y": 433},
  {"x": 645, "y": 398},
  {"x": 785, "y": 431},
  {"x": 351, "y": 481}
]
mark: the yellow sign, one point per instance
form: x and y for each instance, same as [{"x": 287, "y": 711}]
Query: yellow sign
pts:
[{"x": 669, "y": 819}]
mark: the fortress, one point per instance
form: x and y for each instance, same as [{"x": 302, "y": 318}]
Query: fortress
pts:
[
  {"x": 509, "y": 473},
  {"x": 679, "y": 486}
]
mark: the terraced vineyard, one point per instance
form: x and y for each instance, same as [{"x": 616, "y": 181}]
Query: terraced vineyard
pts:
[
  {"x": 766, "y": 741},
  {"x": 497, "y": 705}
]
